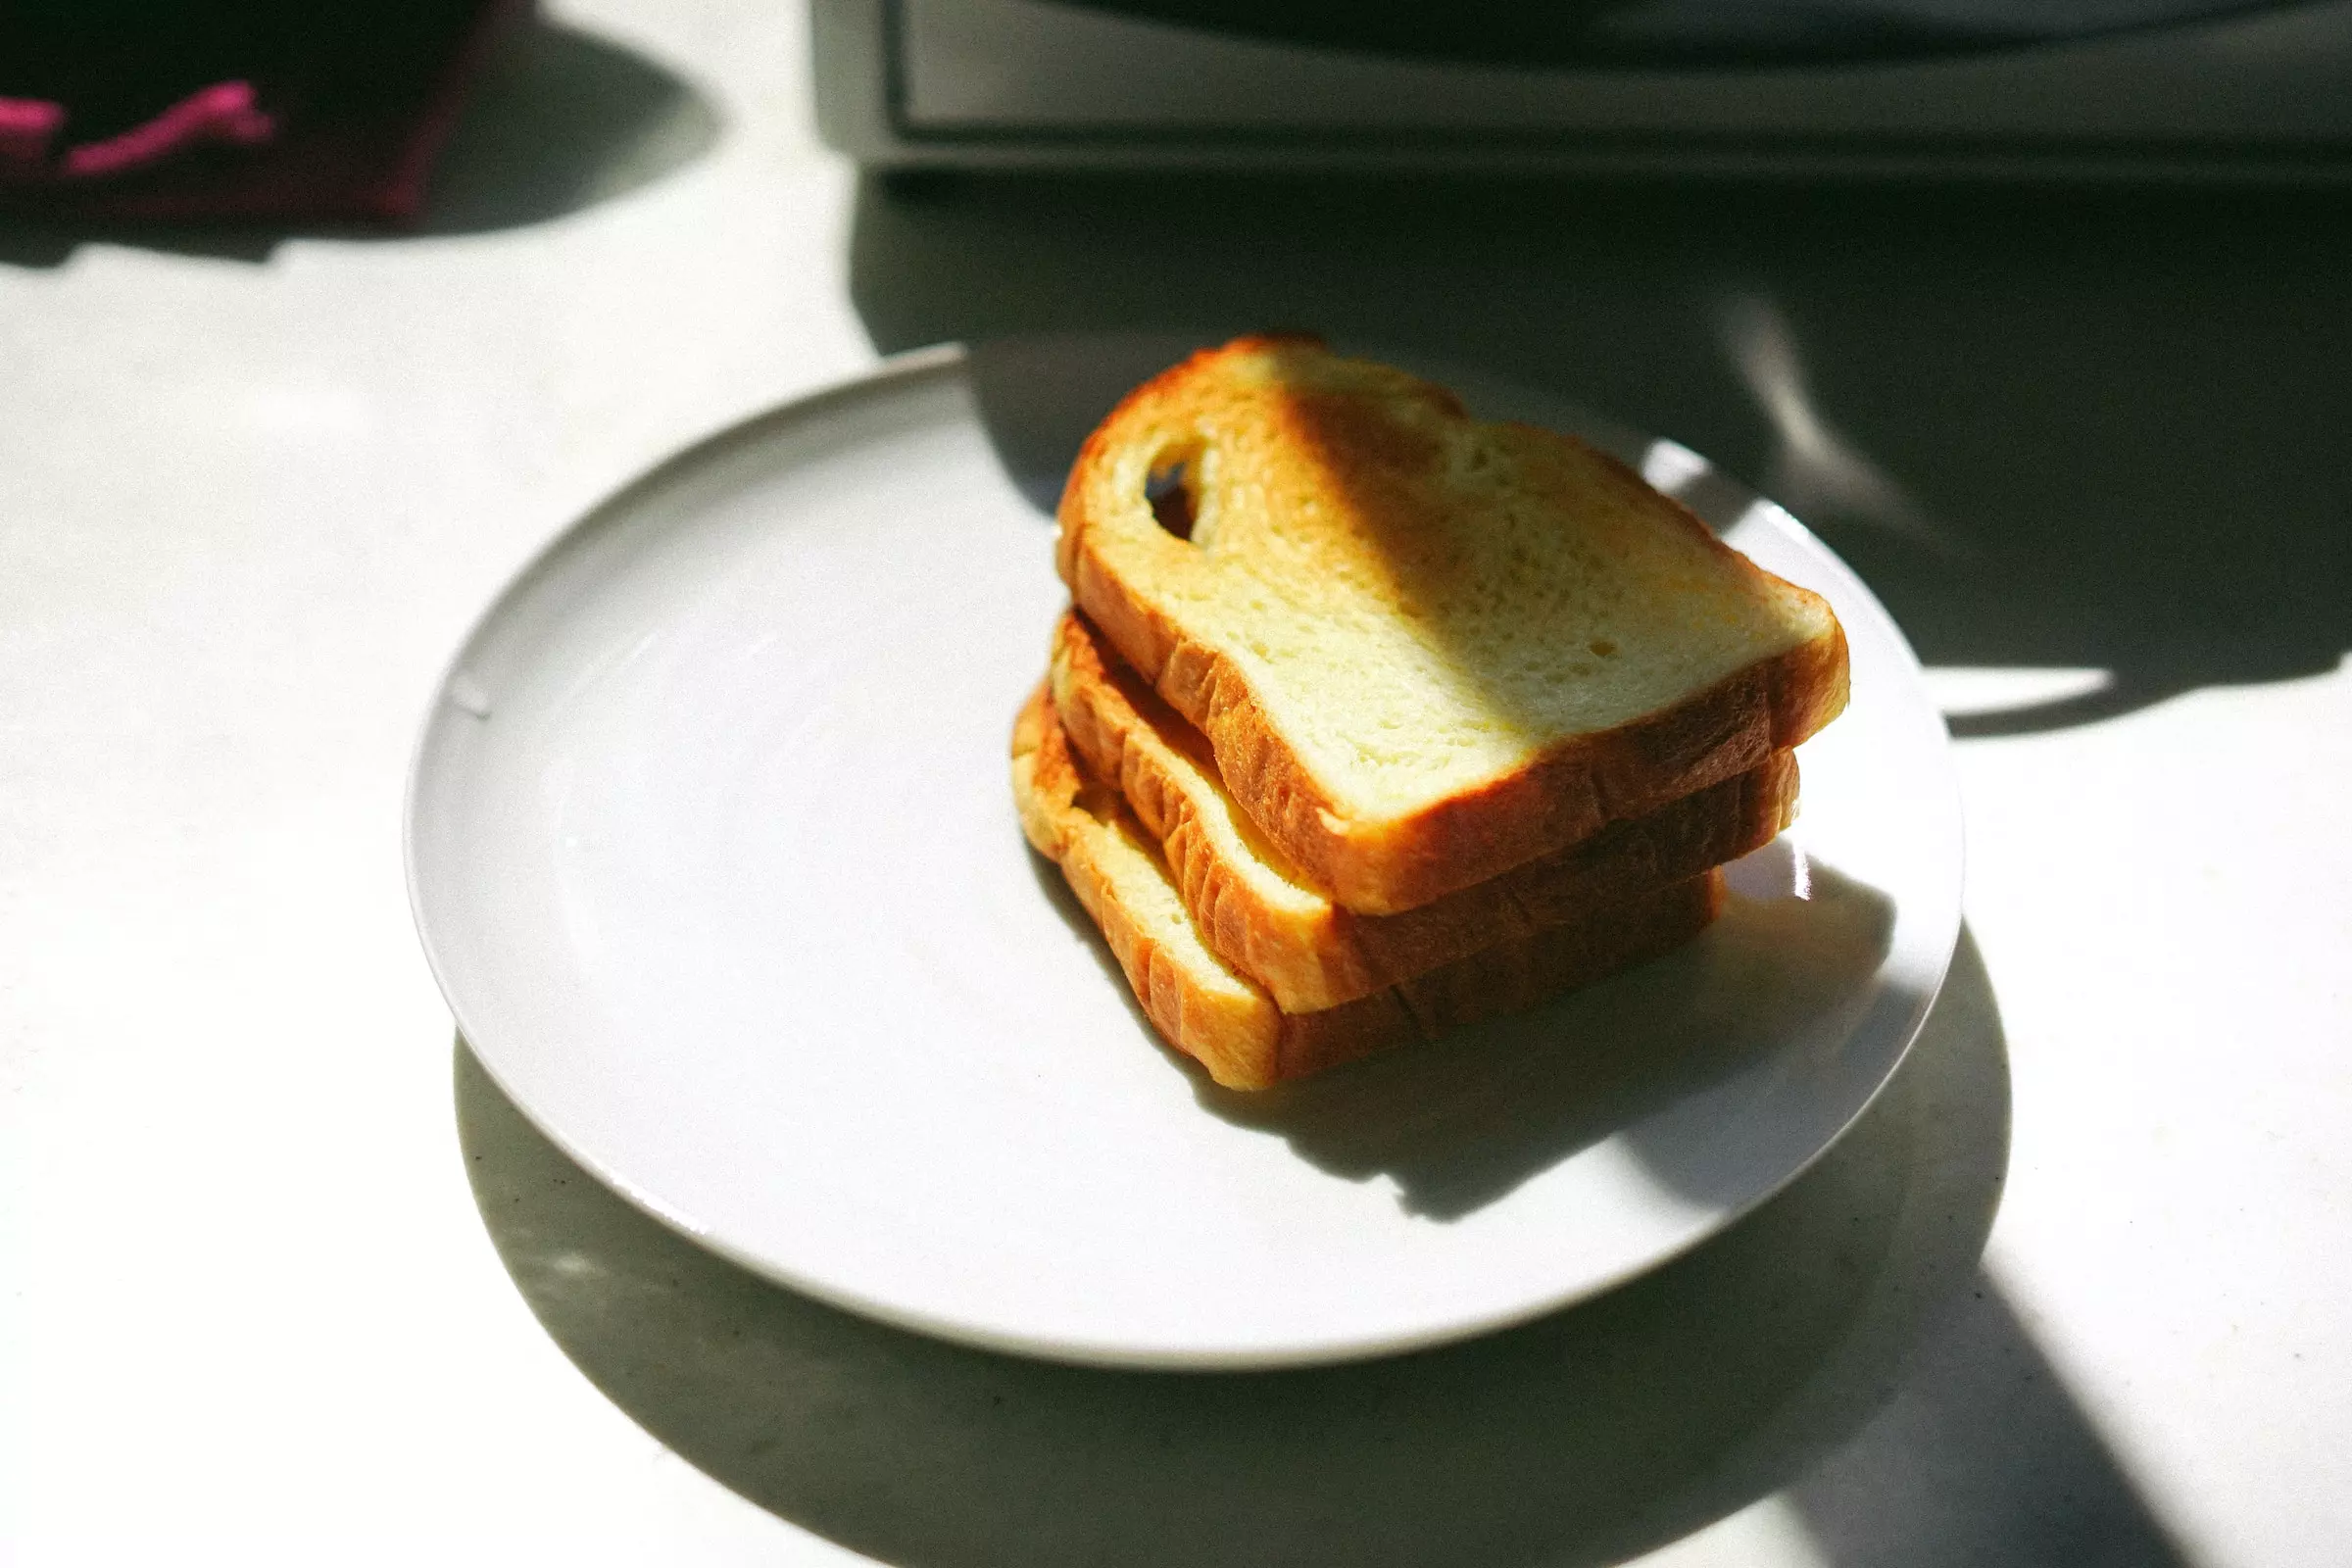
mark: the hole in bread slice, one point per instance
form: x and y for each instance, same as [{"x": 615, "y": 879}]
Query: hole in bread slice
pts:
[{"x": 1173, "y": 489}]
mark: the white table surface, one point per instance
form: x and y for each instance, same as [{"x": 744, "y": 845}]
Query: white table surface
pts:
[{"x": 267, "y": 1295}]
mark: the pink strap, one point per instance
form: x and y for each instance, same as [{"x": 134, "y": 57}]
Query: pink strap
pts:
[
  {"x": 26, "y": 128},
  {"x": 221, "y": 112}
]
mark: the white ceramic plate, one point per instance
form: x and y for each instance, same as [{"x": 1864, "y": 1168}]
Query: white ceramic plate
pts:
[{"x": 712, "y": 848}]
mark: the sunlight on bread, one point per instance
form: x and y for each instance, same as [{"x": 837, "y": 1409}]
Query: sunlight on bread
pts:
[{"x": 1378, "y": 696}]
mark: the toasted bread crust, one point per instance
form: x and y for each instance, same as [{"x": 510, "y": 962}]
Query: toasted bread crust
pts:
[
  {"x": 1230, "y": 1025},
  {"x": 1231, "y": 1029},
  {"x": 1565, "y": 792},
  {"x": 1310, "y": 953}
]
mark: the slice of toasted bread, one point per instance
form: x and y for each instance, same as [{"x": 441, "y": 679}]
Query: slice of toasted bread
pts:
[
  {"x": 1425, "y": 649},
  {"x": 1307, "y": 952},
  {"x": 1206, "y": 1010}
]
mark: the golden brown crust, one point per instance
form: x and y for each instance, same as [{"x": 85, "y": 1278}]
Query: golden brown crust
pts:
[
  {"x": 1565, "y": 793},
  {"x": 1232, "y": 1027},
  {"x": 1568, "y": 794},
  {"x": 1310, "y": 953},
  {"x": 1233, "y": 1031}
]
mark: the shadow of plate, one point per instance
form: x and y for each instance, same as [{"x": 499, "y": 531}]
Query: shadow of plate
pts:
[{"x": 1584, "y": 1437}]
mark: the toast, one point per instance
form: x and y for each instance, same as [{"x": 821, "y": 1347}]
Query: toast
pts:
[
  {"x": 1307, "y": 952},
  {"x": 1424, "y": 650},
  {"x": 1226, "y": 1022}
]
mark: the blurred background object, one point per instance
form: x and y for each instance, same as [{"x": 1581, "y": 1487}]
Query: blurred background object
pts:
[
  {"x": 2181, "y": 88},
  {"x": 276, "y": 110}
]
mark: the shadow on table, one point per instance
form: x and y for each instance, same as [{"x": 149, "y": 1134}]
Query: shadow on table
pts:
[
  {"x": 2063, "y": 429},
  {"x": 1770, "y": 1358},
  {"x": 559, "y": 120}
]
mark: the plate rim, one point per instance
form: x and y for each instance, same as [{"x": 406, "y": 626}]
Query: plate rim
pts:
[{"x": 896, "y": 374}]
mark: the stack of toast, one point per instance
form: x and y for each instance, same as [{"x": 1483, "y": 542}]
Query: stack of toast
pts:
[{"x": 1370, "y": 719}]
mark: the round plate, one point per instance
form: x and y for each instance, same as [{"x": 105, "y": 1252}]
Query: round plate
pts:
[{"x": 713, "y": 850}]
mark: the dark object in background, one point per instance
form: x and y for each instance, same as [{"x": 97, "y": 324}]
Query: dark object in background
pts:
[
  {"x": 1671, "y": 32},
  {"x": 282, "y": 109},
  {"x": 2235, "y": 91}
]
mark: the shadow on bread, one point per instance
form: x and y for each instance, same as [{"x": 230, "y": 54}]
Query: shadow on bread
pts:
[{"x": 1463, "y": 1121}]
